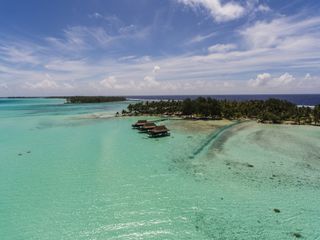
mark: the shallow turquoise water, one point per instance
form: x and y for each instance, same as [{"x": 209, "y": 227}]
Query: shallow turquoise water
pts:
[{"x": 76, "y": 172}]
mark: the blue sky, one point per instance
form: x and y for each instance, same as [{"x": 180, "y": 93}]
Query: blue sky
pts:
[{"x": 125, "y": 47}]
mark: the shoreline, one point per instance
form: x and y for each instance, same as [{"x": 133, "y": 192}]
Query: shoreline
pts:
[
  {"x": 188, "y": 118},
  {"x": 272, "y": 111}
]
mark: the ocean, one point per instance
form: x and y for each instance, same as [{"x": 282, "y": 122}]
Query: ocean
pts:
[{"x": 74, "y": 171}]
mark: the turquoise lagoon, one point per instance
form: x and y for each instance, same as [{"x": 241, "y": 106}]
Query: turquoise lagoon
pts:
[{"x": 77, "y": 172}]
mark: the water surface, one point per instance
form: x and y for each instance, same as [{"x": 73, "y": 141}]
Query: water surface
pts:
[{"x": 77, "y": 172}]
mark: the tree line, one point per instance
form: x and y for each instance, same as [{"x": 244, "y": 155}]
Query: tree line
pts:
[
  {"x": 271, "y": 110},
  {"x": 93, "y": 99}
]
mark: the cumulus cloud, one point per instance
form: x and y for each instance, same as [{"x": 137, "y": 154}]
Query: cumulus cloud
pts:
[
  {"x": 156, "y": 69},
  {"x": 220, "y": 12},
  {"x": 47, "y": 84},
  {"x": 150, "y": 81},
  {"x": 310, "y": 81},
  {"x": 307, "y": 76},
  {"x": 283, "y": 80},
  {"x": 266, "y": 79},
  {"x": 109, "y": 82},
  {"x": 261, "y": 80},
  {"x": 112, "y": 82},
  {"x": 220, "y": 48}
]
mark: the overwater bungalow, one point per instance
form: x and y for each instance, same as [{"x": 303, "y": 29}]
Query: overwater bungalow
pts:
[
  {"x": 159, "y": 131},
  {"x": 148, "y": 126},
  {"x": 139, "y": 123}
]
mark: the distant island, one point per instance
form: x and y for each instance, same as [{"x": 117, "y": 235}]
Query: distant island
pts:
[
  {"x": 268, "y": 111},
  {"x": 93, "y": 99}
]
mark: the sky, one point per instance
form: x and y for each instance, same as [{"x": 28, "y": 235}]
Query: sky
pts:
[{"x": 159, "y": 47}]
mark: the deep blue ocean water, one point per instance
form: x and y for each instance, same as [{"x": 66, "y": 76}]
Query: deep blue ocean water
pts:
[{"x": 299, "y": 99}]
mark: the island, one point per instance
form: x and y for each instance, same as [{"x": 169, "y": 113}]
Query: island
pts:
[
  {"x": 94, "y": 99},
  {"x": 269, "y": 111}
]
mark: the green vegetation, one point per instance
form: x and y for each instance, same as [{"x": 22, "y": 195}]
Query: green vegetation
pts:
[
  {"x": 316, "y": 114},
  {"x": 269, "y": 111},
  {"x": 93, "y": 99}
]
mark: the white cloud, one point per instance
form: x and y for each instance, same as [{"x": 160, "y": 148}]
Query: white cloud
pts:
[
  {"x": 19, "y": 52},
  {"x": 266, "y": 80},
  {"x": 95, "y": 15},
  {"x": 68, "y": 86},
  {"x": 80, "y": 38},
  {"x": 45, "y": 85},
  {"x": 143, "y": 59},
  {"x": 285, "y": 32},
  {"x": 4, "y": 86},
  {"x": 220, "y": 12},
  {"x": 283, "y": 80},
  {"x": 113, "y": 83},
  {"x": 290, "y": 45},
  {"x": 307, "y": 76},
  {"x": 156, "y": 69},
  {"x": 201, "y": 38},
  {"x": 310, "y": 81},
  {"x": 126, "y": 58},
  {"x": 128, "y": 29},
  {"x": 261, "y": 80},
  {"x": 112, "y": 20},
  {"x": 110, "y": 82},
  {"x": 150, "y": 81},
  {"x": 220, "y": 48},
  {"x": 263, "y": 8}
]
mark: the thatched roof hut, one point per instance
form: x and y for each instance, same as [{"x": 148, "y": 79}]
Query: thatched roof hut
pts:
[
  {"x": 148, "y": 126},
  {"x": 139, "y": 123},
  {"x": 159, "y": 131}
]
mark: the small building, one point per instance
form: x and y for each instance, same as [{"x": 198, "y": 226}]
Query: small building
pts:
[
  {"x": 148, "y": 126},
  {"x": 159, "y": 131},
  {"x": 139, "y": 123}
]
